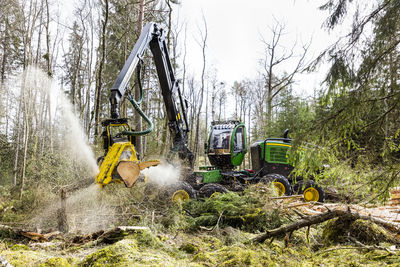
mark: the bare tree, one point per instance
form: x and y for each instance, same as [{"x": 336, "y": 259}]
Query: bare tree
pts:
[
  {"x": 203, "y": 44},
  {"x": 101, "y": 63},
  {"x": 276, "y": 56},
  {"x": 138, "y": 119}
]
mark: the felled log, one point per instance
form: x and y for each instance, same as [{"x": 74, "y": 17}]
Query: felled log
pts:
[
  {"x": 394, "y": 196},
  {"x": 119, "y": 233},
  {"x": 319, "y": 218},
  {"x": 62, "y": 213},
  {"x": 15, "y": 233},
  {"x": 110, "y": 236},
  {"x": 34, "y": 236}
]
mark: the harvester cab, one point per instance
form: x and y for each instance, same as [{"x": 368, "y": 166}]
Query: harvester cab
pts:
[
  {"x": 120, "y": 162},
  {"x": 226, "y": 144}
]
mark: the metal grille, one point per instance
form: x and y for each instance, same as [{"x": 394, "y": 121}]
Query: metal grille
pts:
[{"x": 278, "y": 154}]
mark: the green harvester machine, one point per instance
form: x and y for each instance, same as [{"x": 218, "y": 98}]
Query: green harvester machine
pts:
[{"x": 226, "y": 148}]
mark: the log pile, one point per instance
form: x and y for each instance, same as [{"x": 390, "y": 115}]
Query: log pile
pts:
[{"x": 394, "y": 196}]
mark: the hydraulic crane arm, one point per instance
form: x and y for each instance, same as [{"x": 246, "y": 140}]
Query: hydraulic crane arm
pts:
[{"x": 153, "y": 37}]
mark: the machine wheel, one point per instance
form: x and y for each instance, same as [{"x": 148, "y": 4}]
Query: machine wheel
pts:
[
  {"x": 310, "y": 191},
  {"x": 181, "y": 191},
  {"x": 211, "y": 189},
  {"x": 297, "y": 187},
  {"x": 280, "y": 182}
]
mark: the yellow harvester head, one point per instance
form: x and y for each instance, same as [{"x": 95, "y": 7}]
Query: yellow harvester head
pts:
[{"x": 120, "y": 164}]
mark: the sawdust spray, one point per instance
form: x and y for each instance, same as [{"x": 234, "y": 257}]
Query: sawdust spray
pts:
[
  {"x": 73, "y": 141},
  {"x": 163, "y": 174},
  {"x": 87, "y": 209},
  {"x": 75, "y": 137}
]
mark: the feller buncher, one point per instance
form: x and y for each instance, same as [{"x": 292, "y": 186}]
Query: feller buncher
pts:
[{"x": 120, "y": 162}]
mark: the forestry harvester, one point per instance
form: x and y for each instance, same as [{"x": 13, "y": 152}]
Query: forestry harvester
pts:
[
  {"x": 120, "y": 162},
  {"x": 226, "y": 147}
]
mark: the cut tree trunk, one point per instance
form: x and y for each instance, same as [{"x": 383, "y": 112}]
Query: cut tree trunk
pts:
[{"x": 62, "y": 213}]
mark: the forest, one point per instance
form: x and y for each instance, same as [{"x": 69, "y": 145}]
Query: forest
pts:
[{"x": 58, "y": 66}]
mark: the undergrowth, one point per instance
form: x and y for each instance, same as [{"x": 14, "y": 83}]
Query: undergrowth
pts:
[{"x": 249, "y": 211}]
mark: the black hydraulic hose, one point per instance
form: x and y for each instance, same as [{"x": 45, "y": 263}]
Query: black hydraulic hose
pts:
[{"x": 140, "y": 85}]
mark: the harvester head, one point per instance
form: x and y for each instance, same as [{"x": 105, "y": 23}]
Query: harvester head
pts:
[{"x": 120, "y": 163}]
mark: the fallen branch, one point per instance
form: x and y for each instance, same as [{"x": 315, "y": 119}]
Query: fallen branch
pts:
[
  {"x": 286, "y": 197},
  {"x": 319, "y": 218},
  {"x": 391, "y": 226},
  {"x": 299, "y": 224},
  {"x": 34, "y": 236},
  {"x": 297, "y": 205}
]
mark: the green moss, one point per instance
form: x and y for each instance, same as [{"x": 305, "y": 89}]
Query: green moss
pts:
[
  {"x": 19, "y": 247},
  {"x": 127, "y": 253},
  {"x": 55, "y": 262},
  {"x": 23, "y": 257},
  {"x": 209, "y": 242},
  {"x": 189, "y": 248},
  {"x": 234, "y": 256},
  {"x": 148, "y": 239},
  {"x": 118, "y": 253}
]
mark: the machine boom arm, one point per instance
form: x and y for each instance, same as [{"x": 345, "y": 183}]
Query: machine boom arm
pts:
[{"x": 153, "y": 37}]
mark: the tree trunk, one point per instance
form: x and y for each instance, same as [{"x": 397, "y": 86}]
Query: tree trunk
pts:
[
  {"x": 99, "y": 81},
  {"x": 5, "y": 53},
  {"x": 197, "y": 135},
  {"x": 16, "y": 157},
  {"x": 26, "y": 138},
  {"x": 138, "y": 119}
]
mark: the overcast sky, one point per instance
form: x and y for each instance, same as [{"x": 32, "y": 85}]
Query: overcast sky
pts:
[{"x": 235, "y": 29}]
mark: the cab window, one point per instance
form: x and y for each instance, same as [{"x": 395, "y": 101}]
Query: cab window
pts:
[{"x": 239, "y": 139}]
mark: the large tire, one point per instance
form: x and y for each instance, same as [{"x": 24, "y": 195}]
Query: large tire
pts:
[
  {"x": 192, "y": 179},
  {"x": 280, "y": 182},
  {"x": 210, "y": 189},
  {"x": 297, "y": 187},
  {"x": 181, "y": 191},
  {"x": 310, "y": 190}
]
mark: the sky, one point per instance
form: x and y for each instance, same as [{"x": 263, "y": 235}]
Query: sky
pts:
[{"x": 236, "y": 28}]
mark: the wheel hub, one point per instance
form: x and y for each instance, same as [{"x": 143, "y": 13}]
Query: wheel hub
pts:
[
  {"x": 311, "y": 194},
  {"x": 280, "y": 188},
  {"x": 180, "y": 195}
]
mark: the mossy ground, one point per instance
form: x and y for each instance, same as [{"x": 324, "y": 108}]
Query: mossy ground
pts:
[
  {"x": 222, "y": 247},
  {"x": 216, "y": 232}
]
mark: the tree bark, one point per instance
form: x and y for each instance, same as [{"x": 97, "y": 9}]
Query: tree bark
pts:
[
  {"x": 16, "y": 157},
  {"x": 138, "y": 119},
  {"x": 99, "y": 81},
  {"x": 203, "y": 48}
]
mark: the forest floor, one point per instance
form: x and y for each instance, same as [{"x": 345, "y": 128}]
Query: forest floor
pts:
[{"x": 219, "y": 231}]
